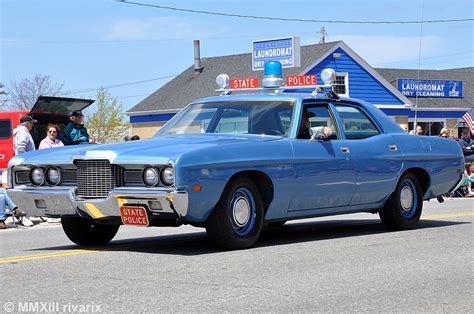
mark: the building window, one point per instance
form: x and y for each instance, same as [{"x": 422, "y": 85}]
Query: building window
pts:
[
  {"x": 431, "y": 128},
  {"x": 341, "y": 86}
]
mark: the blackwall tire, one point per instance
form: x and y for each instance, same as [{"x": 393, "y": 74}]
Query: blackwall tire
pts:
[
  {"x": 86, "y": 232},
  {"x": 403, "y": 208},
  {"x": 237, "y": 220}
]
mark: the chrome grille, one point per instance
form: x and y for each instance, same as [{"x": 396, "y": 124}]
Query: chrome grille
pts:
[{"x": 95, "y": 178}]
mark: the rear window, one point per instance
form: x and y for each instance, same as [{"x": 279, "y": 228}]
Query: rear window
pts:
[{"x": 5, "y": 129}]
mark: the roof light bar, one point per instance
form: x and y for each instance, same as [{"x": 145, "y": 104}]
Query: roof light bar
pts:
[{"x": 273, "y": 81}]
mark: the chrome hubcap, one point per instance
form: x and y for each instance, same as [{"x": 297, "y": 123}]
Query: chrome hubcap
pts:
[
  {"x": 406, "y": 198},
  {"x": 241, "y": 211}
]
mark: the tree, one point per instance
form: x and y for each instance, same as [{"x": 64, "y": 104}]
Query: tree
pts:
[
  {"x": 2, "y": 89},
  {"x": 106, "y": 122},
  {"x": 23, "y": 93}
]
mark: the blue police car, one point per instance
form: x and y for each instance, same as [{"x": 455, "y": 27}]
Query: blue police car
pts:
[{"x": 235, "y": 163}]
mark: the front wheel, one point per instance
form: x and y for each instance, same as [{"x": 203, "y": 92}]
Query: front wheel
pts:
[
  {"x": 237, "y": 220},
  {"x": 403, "y": 208},
  {"x": 86, "y": 232}
]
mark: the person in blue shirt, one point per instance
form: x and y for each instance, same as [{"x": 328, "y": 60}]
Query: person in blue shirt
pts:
[{"x": 75, "y": 132}]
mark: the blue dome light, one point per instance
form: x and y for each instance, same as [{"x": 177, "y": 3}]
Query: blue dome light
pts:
[
  {"x": 272, "y": 75},
  {"x": 273, "y": 69}
]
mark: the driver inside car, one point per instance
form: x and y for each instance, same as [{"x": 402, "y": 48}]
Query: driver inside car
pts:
[{"x": 305, "y": 131}]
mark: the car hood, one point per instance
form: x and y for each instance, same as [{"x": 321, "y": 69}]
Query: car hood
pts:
[{"x": 163, "y": 149}]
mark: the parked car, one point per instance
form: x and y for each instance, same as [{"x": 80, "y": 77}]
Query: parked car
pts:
[
  {"x": 46, "y": 110},
  {"x": 234, "y": 163}
]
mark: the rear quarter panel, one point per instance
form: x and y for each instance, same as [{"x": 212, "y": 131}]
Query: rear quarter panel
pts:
[{"x": 441, "y": 158}]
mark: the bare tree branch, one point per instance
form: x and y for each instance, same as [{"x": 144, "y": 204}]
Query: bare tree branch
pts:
[{"x": 23, "y": 93}]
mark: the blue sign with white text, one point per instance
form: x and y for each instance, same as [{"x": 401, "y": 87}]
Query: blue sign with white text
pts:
[
  {"x": 284, "y": 50},
  {"x": 430, "y": 88}
]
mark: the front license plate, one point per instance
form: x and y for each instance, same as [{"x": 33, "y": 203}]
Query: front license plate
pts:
[{"x": 134, "y": 215}]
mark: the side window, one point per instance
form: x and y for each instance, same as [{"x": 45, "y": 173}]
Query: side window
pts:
[
  {"x": 356, "y": 125},
  {"x": 316, "y": 117},
  {"x": 5, "y": 129}
]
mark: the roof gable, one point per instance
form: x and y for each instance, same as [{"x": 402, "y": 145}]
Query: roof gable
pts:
[{"x": 187, "y": 86}]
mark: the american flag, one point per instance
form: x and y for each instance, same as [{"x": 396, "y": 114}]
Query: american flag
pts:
[{"x": 468, "y": 116}]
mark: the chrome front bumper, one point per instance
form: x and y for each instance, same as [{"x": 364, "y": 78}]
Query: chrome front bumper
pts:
[{"x": 55, "y": 202}]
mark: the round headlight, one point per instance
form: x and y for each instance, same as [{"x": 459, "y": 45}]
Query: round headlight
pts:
[
  {"x": 37, "y": 176},
  {"x": 53, "y": 176},
  {"x": 167, "y": 176},
  {"x": 150, "y": 176}
]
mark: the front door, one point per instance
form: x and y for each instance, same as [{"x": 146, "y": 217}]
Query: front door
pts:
[{"x": 324, "y": 174}]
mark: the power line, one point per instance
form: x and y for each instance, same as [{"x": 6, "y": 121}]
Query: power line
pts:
[
  {"x": 291, "y": 19},
  {"x": 117, "y": 85},
  {"x": 427, "y": 58},
  {"x": 93, "y": 89},
  {"x": 13, "y": 41}
]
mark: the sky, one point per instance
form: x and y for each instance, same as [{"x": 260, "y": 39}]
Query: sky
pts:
[{"x": 86, "y": 44}]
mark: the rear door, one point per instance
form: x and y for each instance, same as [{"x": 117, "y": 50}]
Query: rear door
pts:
[{"x": 375, "y": 156}]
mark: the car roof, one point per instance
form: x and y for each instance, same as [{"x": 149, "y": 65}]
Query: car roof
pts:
[{"x": 271, "y": 96}]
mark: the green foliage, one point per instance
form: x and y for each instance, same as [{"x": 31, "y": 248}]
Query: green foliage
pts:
[{"x": 106, "y": 123}]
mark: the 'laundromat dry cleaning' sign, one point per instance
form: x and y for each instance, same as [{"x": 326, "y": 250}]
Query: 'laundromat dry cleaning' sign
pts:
[
  {"x": 284, "y": 50},
  {"x": 430, "y": 88}
]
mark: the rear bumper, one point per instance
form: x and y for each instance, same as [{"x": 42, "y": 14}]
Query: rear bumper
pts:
[{"x": 57, "y": 202}]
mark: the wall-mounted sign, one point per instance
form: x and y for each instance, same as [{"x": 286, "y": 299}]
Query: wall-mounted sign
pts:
[
  {"x": 430, "y": 88},
  {"x": 285, "y": 50},
  {"x": 238, "y": 83}
]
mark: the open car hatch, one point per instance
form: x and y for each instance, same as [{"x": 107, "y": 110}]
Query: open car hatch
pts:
[{"x": 56, "y": 109}]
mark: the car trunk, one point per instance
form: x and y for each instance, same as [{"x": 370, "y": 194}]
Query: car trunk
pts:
[{"x": 48, "y": 109}]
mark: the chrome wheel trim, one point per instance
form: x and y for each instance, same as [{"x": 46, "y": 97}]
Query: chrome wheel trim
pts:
[
  {"x": 406, "y": 198},
  {"x": 241, "y": 211}
]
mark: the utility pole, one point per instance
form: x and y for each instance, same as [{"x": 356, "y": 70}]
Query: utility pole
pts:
[{"x": 322, "y": 35}]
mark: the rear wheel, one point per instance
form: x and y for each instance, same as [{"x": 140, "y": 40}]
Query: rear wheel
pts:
[
  {"x": 86, "y": 232},
  {"x": 403, "y": 208},
  {"x": 237, "y": 220}
]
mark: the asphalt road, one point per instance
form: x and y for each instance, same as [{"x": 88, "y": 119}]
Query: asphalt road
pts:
[{"x": 341, "y": 263}]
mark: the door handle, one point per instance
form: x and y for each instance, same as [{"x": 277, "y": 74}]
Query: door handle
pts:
[
  {"x": 2, "y": 156},
  {"x": 345, "y": 149},
  {"x": 393, "y": 147}
]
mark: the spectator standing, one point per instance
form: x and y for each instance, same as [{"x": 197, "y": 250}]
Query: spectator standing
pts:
[
  {"x": 445, "y": 133},
  {"x": 418, "y": 130},
  {"x": 51, "y": 139},
  {"x": 75, "y": 132},
  {"x": 467, "y": 145},
  {"x": 22, "y": 140},
  {"x": 22, "y": 143}
]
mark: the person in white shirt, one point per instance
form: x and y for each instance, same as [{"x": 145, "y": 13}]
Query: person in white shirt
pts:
[
  {"x": 22, "y": 140},
  {"x": 51, "y": 139}
]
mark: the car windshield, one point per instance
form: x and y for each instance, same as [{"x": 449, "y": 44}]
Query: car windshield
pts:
[{"x": 239, "y": 117}]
